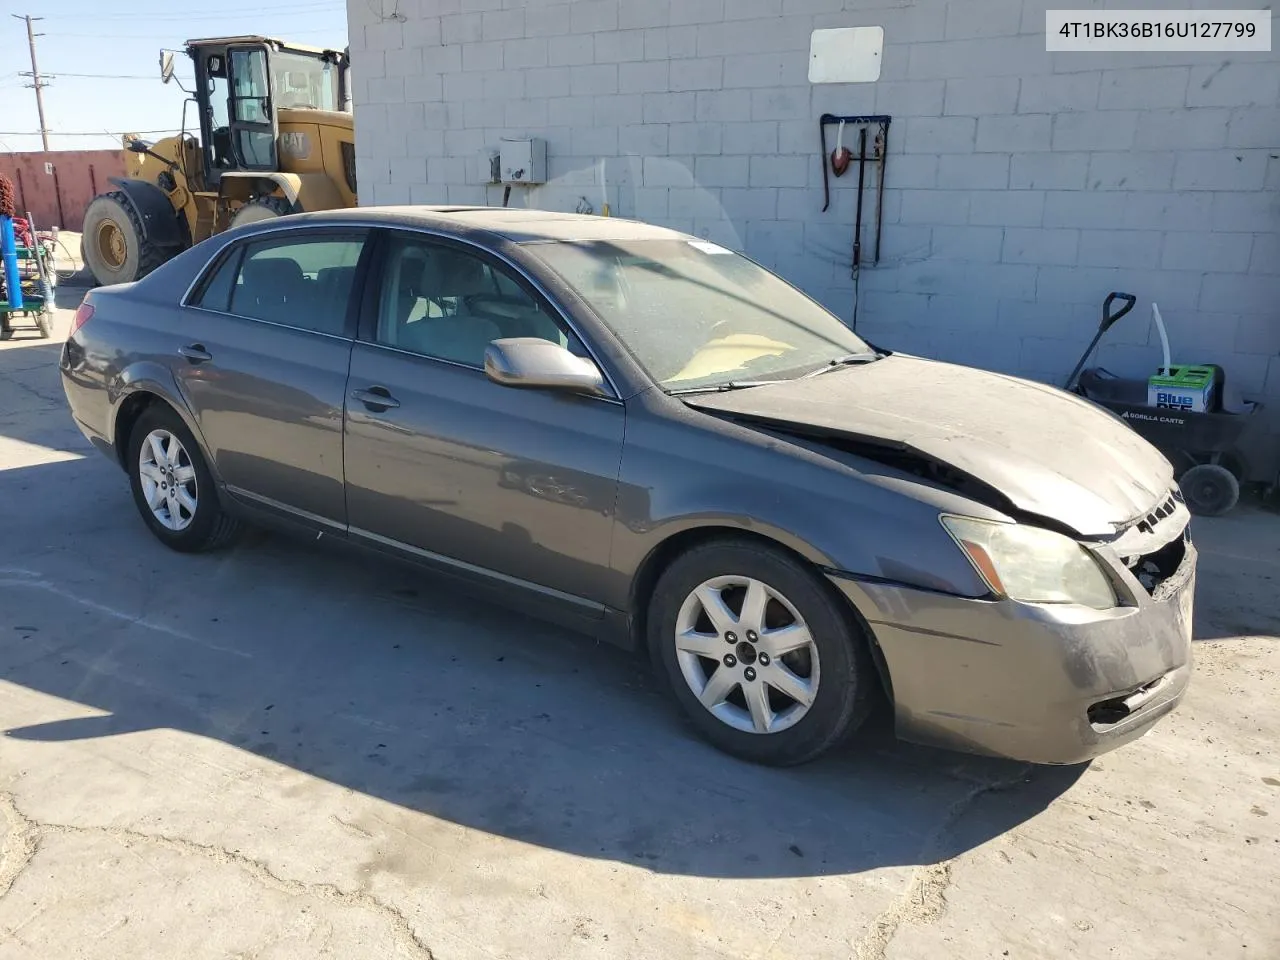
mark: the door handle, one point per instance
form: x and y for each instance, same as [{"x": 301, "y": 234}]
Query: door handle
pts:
[
  {"x": 195, "y": 352},
  {"x": 376, "y": 399}
]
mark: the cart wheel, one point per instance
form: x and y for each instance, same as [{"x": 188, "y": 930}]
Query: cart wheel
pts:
[
  {"x": 44, "y": 320},
  {"x": 1210, "y": 490},
  {"x": 1233, "y": 463}
]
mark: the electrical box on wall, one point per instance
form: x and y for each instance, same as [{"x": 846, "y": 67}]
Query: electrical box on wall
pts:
[
  {"x": 524, "y": 161},
  {"x": 487, "y": 166}
]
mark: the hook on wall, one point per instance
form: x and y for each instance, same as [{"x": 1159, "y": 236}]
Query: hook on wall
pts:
[{"x": 841, "y": 158}]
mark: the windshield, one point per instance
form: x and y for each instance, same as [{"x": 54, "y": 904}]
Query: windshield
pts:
[
  {"x": 298, "y": 80},
  {"x": 695, "y": 314}
]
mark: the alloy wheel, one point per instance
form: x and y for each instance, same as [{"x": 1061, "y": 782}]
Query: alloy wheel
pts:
[
  {"x": 747, "y": 654},
  {"x": 168, "y": 480}
]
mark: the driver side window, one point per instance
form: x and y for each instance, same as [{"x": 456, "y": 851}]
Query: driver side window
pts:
[{"x": 445, "y": 303}]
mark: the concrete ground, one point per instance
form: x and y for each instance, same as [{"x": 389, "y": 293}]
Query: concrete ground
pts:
[{"x": 288, "y": 752}]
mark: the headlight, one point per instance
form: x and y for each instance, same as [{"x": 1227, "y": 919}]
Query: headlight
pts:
[{"x": 1032, "y": 564}]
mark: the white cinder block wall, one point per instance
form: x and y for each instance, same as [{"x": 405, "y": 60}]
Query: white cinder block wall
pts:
[{"x": 1022, "y": 186}]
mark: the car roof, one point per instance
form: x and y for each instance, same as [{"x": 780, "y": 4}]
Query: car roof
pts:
[{"x": 519, "y": 225}]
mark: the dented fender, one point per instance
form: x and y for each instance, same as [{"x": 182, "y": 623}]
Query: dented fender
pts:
[{"x": 855, "y": 516}]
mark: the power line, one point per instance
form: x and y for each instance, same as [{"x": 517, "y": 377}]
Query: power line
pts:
[
  {"x": 226, "y": 13},
  {"x": 59, "y": 75},
  {"x": 92, "y": 133},
  {"x": 162, "y": 37}
]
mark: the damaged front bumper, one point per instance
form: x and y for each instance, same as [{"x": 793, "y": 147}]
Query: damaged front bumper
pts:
[{"x": 1035, "y": 682}]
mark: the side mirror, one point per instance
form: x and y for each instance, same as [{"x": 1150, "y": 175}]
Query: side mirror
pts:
[
  {"x": 166, "y": 66},
  {"x": 531, "y": 362},
  {"x": 137, "y": 146}
]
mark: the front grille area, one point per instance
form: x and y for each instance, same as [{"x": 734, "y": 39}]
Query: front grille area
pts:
[
  {"x": 1166, "y": 509},
  {"x": 1153, "y": 569},
  {"x": 1153, "y": 547}
]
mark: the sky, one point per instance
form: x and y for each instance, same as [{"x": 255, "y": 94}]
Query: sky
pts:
[{"x": 121, "y": 51}]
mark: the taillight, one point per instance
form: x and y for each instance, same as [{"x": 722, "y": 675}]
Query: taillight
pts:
[{"x": 84, "y": 313}]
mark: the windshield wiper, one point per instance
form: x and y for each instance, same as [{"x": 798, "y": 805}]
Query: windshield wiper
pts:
[
  {"x": 849, "y": 360},
  {"x": 722, "y": 387}
]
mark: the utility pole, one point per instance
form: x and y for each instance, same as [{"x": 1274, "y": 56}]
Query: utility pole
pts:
[{"x": 36, "y": 82}]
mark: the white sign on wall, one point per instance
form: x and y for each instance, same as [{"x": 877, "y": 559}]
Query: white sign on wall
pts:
[{"x": 846, "y": 55}]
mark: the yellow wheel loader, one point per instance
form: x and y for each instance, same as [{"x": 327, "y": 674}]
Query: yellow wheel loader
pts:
[{"x": 276, "y": 138}]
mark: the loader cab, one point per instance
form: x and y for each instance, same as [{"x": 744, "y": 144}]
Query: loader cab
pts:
[{"x": 241, "y": 83}]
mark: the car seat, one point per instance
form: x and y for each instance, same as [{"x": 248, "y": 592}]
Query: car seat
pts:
[
  {"x": 274, "y": 289},
  {"x": 460, "y": 336},
  {"x": 332, "y": 288}
]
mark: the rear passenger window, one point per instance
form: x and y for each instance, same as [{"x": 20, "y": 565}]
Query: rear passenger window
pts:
[
  {"x": 303, "y": 283},
  {"x": 216, "y": 293}
]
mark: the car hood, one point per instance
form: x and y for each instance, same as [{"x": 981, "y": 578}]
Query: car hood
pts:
[{"x": 1046, "y": 452}]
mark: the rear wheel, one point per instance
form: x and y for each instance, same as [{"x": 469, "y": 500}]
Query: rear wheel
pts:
[
  {"x": 263, "y": 208},
  {"x": 764, "y": 660},
  {"x": 1210, "y": 490},
  {"x": 172, "y": 486},
  {"x": 84, "y": 263},
  {"x": 112, "y": 244}
]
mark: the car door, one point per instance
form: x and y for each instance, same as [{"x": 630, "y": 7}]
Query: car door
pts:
[
  {"x": 261, "y": 358},
  {"x": 253, "y": 124},
  {"x": 442, "y": 461}
]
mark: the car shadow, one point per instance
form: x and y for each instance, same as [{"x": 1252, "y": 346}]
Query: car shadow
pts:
[
  {"x": 68, "y": 294},
  {"x": 32, "y": 405},
  {"x": 22, "y": 354},
  {"x": 388, "y": 681}
]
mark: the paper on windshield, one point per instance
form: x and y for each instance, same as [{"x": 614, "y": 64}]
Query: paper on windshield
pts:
[{"x": 707, "y": 246}]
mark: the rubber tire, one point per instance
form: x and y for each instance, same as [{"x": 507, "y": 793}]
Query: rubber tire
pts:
[
  {"x": 848, "y": 684},
  {"x": 84, "y": 267},
  {"x": 263, "y": 208},
  {"x": 44, "y": 321},
  {"x": 212, "y": 527},
  {"x": 1210, "y": 490},
  {"x": 141, "y": 256}
]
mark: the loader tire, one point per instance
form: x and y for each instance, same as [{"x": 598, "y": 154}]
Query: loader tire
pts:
[
  {"x": 263, "y": 208},
  {"x": 113, "y": 246}
]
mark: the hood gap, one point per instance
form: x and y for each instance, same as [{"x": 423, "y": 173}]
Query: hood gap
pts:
[{"x": 902, "y": 457}]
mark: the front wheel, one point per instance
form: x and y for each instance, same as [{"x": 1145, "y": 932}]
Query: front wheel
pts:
[
  {"x": 113, "y": 244},
  {"x": 262, "y": 208},
  {"x": 172, "y": 486},
  {"x": 762, "y": 657}
]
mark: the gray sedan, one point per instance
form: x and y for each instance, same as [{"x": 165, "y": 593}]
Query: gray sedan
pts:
[{"x": 644, "y": 435}]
